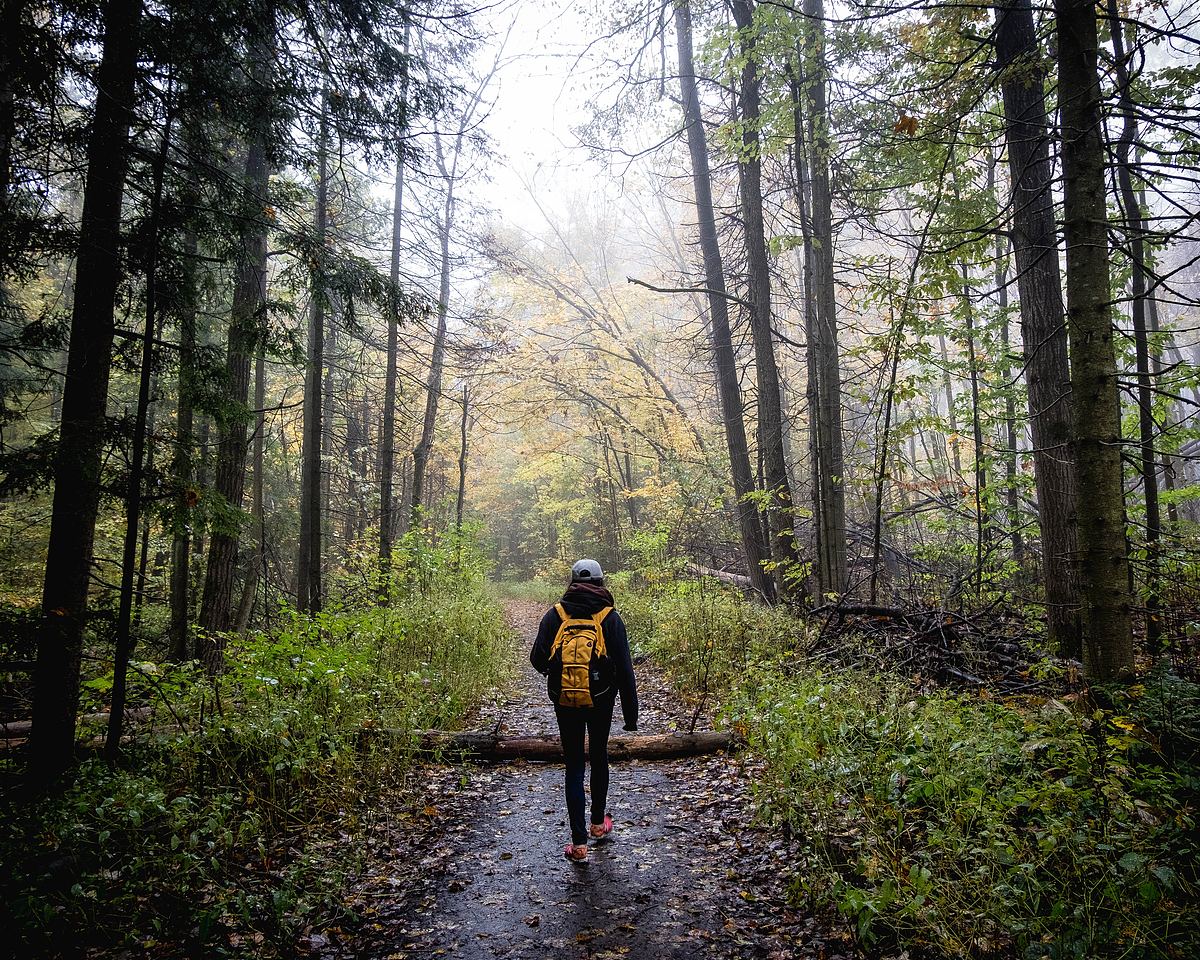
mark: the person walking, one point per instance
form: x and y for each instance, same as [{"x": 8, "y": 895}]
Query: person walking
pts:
[{"x": 583, "y": 651}]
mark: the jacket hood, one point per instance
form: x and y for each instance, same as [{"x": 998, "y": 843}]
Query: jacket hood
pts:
[{"x": 585, "y": 599}]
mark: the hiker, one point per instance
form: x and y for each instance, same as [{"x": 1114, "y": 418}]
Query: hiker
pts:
[{"x": 583, "y": 651}]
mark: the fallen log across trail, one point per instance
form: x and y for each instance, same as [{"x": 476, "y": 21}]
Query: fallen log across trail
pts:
[
  {"x": 492, "y": 748},
  {"x": 482, "y": 747}
]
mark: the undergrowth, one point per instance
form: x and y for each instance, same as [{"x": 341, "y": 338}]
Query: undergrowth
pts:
[
  {"x": 233, "y": 823},
  {"x": 955, "y": 824},
  {"x": 537, "y": 591}
]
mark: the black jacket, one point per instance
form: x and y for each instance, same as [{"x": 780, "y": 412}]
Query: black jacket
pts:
[{"x": 584, "y": 600}]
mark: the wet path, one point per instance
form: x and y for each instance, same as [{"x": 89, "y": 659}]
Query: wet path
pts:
[{"x": 684, "y": 874}]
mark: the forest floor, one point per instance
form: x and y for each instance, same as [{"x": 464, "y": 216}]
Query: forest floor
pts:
[{"x": 478, "y": 871}]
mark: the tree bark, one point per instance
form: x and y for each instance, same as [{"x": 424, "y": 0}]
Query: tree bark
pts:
[
  {"x": 1035, "y": 249},
  {"x": 11, "y": 22},
  {"x": 437, "y": 363},
  {"x": 183, "y": 469},
  {"x": 123, "y": 644},
  {"x": 824, "y": 568},
  {"x": 245, "y": 331},
  {"x": 85, "y": 394},
  {"x": 308, "y": 561},
  {"x": 490, "y": 748},
  {"x": 1016, "y": 539},
  {"x": 825, "y": 349},
  {"x": 462, "y": 462},
  {"x": 954, "y": 439},
  {"x": 387, "y": 446},
  {"x": 433, "y": 386},
  {"x": 1134, "y": 228},
  {"x": 966, "y": 299},
  {"x": 780, "y": 509},
  {"x": 257, "y": 568},
  {"x": 753, "y": 547},
  {"x": 1108, "y": 638}
]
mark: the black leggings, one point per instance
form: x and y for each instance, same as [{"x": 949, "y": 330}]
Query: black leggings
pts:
[{"x": 572, "y": 721}]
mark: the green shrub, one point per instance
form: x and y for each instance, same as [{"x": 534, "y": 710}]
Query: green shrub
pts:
[
  {"x": 955, "y": 824},
  {"x": 704, "y": 635},
  {"x": 210, "y": 835}
]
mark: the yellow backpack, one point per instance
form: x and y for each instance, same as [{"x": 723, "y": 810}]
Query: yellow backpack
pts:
[{"x": 578, "y": 645}]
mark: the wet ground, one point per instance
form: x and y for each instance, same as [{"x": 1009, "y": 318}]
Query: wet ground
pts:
[{"x": 686, "y": 873}]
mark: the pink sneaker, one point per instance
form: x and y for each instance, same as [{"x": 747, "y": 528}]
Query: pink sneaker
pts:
[{"x": 600, "y": 830}]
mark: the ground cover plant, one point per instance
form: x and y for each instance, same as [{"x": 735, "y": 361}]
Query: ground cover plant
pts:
[
  {"x": 858, "y": 342},
  {"x": 241, "y": 806},
  {"x": 955, "y": 823}
]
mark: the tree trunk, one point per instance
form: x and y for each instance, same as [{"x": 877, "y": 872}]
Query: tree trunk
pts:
[
  {"x": 183, "y": 469},
  {"x": 123, "y": 644},
  {"x": 1135, "y": 230},
  {"x": 722, "y": 341},
  {"x": 1016, "y": 539},
  {"x": 11, "y": 22},
  {"x": 143, "y": 563},
  {"x": 824, "y": 567},
  {"x": 951, "y": 416},
  {"x": 462, "y": 462},
  {"x": 980, "y": 463},
  {"x": 387, "y": 446},
  {"x": 331, "y": 358},
  {"x": 257, "y": 568},
  {"x": 245, "y": 332},
  {"x": 308, "y": 561},
  {"x": 490, "y": 748},
  {"x": 826, "y": 354},
  {"x": 356, "y": 445},
  {"x": 85, "y": 394},
  {"x": 1035, "y": 250},
  {"x": 780, "y": 512},
  {"x": 367, "y": 480},
  {"x": 433, "y": 387},
  {"x": 1108, "y": 639},
  {"x": 1168, "y": 461}
]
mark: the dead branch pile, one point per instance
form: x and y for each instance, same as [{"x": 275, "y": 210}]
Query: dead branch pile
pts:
[{"x": 932, "y": 645}]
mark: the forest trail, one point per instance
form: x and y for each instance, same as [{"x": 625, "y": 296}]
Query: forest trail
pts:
[{"x": 685, "y": 874}]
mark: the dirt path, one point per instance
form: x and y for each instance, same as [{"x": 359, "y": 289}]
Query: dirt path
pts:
[{"x": 684, "y": 875}]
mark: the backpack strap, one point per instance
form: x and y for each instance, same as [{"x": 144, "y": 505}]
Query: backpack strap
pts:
[
  {"x": 558, "y": 636},
  {"x": 598, "y": 620}
]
